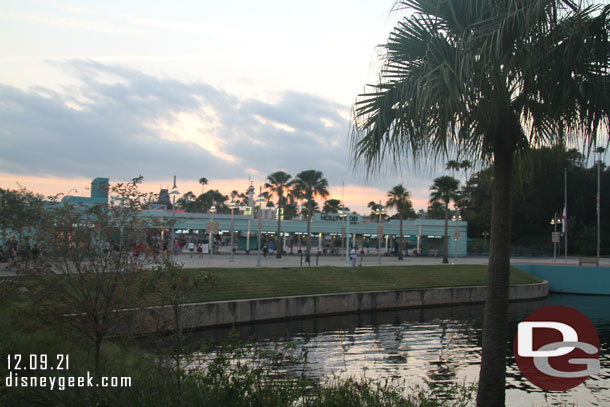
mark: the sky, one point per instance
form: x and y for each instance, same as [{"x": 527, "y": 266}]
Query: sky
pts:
[{"x": 230, "y": 91}]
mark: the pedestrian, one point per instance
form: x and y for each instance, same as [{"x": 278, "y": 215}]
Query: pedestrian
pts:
[
  {"x": 265, "y": 250},
  {"x": 353, "y": 256},
  {"x": 191, "y": 247}
]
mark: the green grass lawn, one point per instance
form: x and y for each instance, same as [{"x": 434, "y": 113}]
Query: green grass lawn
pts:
[{"x": 232, "y": 284}]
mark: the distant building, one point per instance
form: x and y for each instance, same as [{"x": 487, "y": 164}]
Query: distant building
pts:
[
  {"x": 99, "y": 194},
  {"x": 163, "y": 201}
]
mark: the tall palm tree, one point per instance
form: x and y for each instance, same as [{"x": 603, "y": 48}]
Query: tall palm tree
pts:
[
  {"x": 309, "y": 185},
  {"x": 279, "y": 184},
  {"x": 203, "y": 181},
  {"x": 399, "y": 199},
  {"x": 445, "y": 189},
  {"x": 487, "y": 79}
]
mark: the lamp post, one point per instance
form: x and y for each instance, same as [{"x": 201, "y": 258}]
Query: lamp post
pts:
[
  {"x": 173, "y": 193},
  {"x": 600, "y": 151},
  {"x": 456, "y": 233},
  {"x": 211, "y": 231},
  {"x": 485, "y": 235},
  {"x": 379, "y": 210},
  {"x": 555, "y": 221},
  {"x": 232, "y": 206},
  {"x": 345, "y": 213},
  {"x": 259, "y": 201}
]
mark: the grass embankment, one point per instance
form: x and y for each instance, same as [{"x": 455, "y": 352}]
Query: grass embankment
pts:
[{"x": 233, "y": 284}]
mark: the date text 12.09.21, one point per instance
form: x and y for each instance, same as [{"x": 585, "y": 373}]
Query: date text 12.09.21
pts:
[{"x": 36, "y": 361}]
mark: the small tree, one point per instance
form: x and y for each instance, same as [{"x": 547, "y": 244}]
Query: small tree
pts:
[
  {"x": 20, "y": 210},
  {"x": 97, "y": 252}
]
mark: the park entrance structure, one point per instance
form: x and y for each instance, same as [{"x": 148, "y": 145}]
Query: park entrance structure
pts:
[{"x": 423, "y": 236}]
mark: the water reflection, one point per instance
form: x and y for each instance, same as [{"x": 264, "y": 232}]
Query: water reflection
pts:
[{"x": 430, "y": 346}]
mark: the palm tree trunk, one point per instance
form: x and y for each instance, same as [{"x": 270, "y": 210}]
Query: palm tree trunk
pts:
[
  {"x": 401, "y": 241},
  {"x": 446, "y": 238},
  {"x": 495, "y": 323}
]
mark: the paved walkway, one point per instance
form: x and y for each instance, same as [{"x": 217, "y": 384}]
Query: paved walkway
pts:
[{"x": 242, "y": 260}]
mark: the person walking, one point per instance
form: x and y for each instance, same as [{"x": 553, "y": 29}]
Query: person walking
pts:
[
  {"x": 191, "y": 247},
  {"x": 353, "y": 256}
]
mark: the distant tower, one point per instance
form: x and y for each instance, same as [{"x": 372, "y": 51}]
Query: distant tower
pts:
[
  {"x": 99, "y": 190},
  {"x": 251, "y": 195},
  {"x": 164, "y": 201}
]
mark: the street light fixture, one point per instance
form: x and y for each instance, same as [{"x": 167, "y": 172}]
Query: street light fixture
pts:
[
  {"x": 600, "y": 151},
  {"x": 345, "y": 214},
  {"x": 456, "y": 218},
  {"x": 555, "y": 221},
  {"x": 485, "y": 236},
  {"x": 232, "y": 206},
  {"x": 211, "y": 231},
  {"x": 173, "y": 193},
  {"x": 379, "y": 210}
]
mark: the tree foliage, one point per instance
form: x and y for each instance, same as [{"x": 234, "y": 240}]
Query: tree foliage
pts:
[
  {"x": 92, "y": 251},
  {"x": 487, "y": 80}
]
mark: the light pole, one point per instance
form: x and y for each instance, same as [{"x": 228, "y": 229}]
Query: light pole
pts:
[
  {"x": 485, "y": 235},
  {"x": 259, "y": 201},
  {"x": 600, "y": 151},
  {"x": 345, "y": 213},
  {"x": 555, "y": 221},
  {"x": 173, "y": 193},
  {"x": 379, "y": 210},
  {"x": 456, "y": 233},
  {"x": 232, "y": 206},
  {"x": 211, "y": 231}
]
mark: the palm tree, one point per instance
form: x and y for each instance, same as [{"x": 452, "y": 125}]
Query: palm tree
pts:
[
  {"x": 331, "y": 206},
  {"x": 203, "y": 181},
  {"x": 453, "y": 165},
  {"x": 309, "y": 185},
  {"x": 373, "y": 206},
  {"x": 466, "y": 165},
  {"x": 279, "y": 184},
  {"x": 487, "y": 79},
  {"x": 399, "y": 199},
  {"x": 445, "y": 189}
]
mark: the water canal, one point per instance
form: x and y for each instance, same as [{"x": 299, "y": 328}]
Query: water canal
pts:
[{"x": 429, "y": 346}]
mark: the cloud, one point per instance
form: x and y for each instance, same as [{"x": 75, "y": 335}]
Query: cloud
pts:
[{"x": 119, "y": 123}]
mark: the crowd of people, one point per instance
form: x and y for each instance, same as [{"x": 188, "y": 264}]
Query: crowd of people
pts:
[{"x": 15, "y": 249}]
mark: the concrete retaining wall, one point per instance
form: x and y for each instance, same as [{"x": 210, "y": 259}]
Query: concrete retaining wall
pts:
[{"x": 222, "y": 313}]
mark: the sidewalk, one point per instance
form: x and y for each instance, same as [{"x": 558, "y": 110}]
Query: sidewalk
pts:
[{"x": 242, "y": 260}]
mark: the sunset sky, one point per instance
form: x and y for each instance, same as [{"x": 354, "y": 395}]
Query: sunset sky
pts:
[{"x": 222, "y": 90}]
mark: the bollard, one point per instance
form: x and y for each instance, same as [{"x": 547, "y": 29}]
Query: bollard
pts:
[
  {"x": 317, "y": 258},
  {"x": 301, "y": 259}
]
